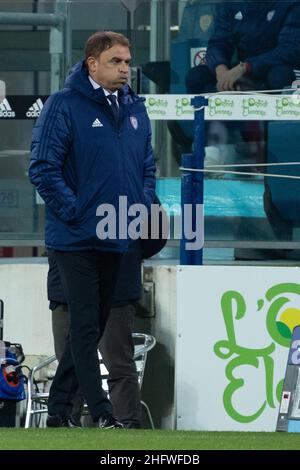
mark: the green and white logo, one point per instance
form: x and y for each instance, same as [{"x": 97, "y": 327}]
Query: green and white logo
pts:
[
  {"x": 156, "y": 106},
  {"x": 279, "y": 314},
  {"x": 254, "y": 107},
  {"x": 288, "y": 107},
  {"x": 183, "y": 106},
  {"x": 220, "y": 106}
]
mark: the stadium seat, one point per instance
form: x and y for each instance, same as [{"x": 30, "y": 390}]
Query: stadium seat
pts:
[
  {"x": 37, "y": 400},
  {"x": 189, "y": 48},
  {"x": 282, "y": 146}
]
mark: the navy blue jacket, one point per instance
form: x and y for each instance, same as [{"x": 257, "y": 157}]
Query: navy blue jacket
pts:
[
  {"x": 81, "y": 158},
  {"x": 265, "y": 34}
]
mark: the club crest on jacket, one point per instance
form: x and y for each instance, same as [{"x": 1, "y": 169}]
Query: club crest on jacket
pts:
[{"x": 134, "y": 122}]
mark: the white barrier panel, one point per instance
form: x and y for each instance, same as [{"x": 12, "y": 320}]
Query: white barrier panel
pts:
[
  {"x": 226, "y": 107},
  {"x": 27, "y": 318},
  {"x": 234, "y": 327}
]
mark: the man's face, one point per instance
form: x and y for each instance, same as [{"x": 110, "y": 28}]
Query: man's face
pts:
[{"x": 111, "y": 68}]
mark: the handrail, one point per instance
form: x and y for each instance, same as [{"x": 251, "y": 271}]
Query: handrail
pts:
[
  {"x": 146, "y": 346},
  {"x": 32, "y": 19}
]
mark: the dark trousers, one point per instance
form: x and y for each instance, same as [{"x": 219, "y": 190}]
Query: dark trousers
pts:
[
  {"x": 89, "y": 279},
  {"x": 201, "y": 80},
  {"x": 116, "y": 347}
]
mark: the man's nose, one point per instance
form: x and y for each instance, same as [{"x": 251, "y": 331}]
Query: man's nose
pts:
[{"x": 124, "y": 68}]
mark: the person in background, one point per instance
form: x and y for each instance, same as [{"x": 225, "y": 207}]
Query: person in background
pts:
[
  {"x": 90, "y": 145},
  {"x": 255, "y": 44},
  {"x": 116, "y": 345}
]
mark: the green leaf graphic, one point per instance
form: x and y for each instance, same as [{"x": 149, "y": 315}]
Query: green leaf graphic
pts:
[
  {"x": 260, "y": 304},
  {"x": 283, "y": 330}
]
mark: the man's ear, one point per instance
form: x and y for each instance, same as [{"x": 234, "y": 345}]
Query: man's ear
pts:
[{"x": 91, "y": 64}]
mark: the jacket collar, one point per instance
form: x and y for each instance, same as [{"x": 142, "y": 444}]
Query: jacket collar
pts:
[{"x": 78, "y": 80}]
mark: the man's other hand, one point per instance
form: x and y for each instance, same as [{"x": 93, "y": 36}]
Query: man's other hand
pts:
[{"x": 226, "y": 79}]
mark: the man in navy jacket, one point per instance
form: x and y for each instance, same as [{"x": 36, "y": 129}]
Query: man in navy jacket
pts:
[
  {"x": 91, "y": 145},
  {"x": 255, "y": 44}
]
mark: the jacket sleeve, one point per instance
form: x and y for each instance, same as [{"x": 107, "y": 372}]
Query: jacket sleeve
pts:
[
  {"x": 54, "y": 284},
  {"x": 287, "y": 51},
  {"x": 152, "y": 246},
  {"x": 51, "y": 142},
  {"x": 221, "y": 45},
  {"x": 149, "y": 170}
]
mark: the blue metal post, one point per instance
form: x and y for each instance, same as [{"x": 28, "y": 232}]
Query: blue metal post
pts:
[
  {"x": 186, "y": 198},
  {"x": 192, "y": 182}
]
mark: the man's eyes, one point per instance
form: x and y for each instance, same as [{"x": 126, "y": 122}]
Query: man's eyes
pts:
[{"x": 116, "y": 61}]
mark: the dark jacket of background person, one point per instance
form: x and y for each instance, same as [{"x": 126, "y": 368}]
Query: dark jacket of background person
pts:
[
  {"x": 116, "y": 345},
  {"x": 129, "y": 285},
  {"x": 68, "y": 172},
  {"x": 128, "y": 288},
  {"x": 263, "y": 34}
]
